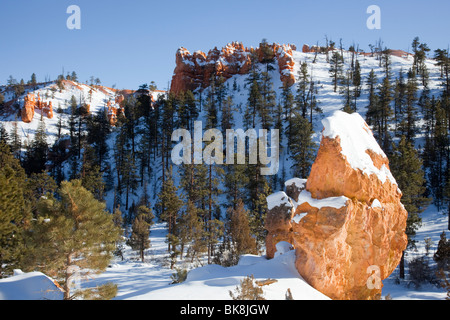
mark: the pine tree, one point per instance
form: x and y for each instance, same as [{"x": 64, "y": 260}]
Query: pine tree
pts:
[
  {"x": 239, "y": 231},
  {"x": 191, "y": 232},
  {"x": 442, "y": 254},
  {"x": 287, "y": 107},
  {"x": 140, "y": 232},
  {"x": 268, "y": 100},
  {"x": 372, "y": 97},
  {"x": 303, "y": 89},
  {"x": 212, "y": 116},
  {"x": 336, "y": 69},
  {"x": 408, "y": 125},
  {"x": 74, "y": 235},
  {"x": 399, "y": 97},
  {"x": 98, "y": 129},
  {"x": 169, "y": 207},
  {"x": 383, "y": 114},
  {"x": 346, "y": 91},
  {"x": 227, "y": 119},
  {"x": 14, "y": 212},
  {"x": 302, "y": 146},
  {"x": 406, "y": 167},
  {"x": 36, "y": 153},
  {"x": 235, "y": 181},
  {"x": 254, "y": 100},
  {"x": 4, "y": 136},
  {"x": 438, "y": 156},
  {"x": 33, "y": 80},
  {"x": 16, "y": 141}
]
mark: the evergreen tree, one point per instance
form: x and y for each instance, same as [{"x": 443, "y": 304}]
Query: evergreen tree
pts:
[
  {"x": 191, "y": 232},
  {"x": 268, "y": 100},
  {"x": 212, "y": 117},
  {"x": 227, "y": 120},
  {"x": 239, "y": 231},
  {"x": 406, "y": 167},
  {"x": 287, "y": 107},
  {"x": 383, "y": 114},
  {"x": 336, "y": 69},
  {"x": 33, "y": 80},
  {"x": 4, "y": 137},
  {"x": 98, "y": 129},
  {"x": 346, "y": 91},
  {"x": 234, "y": 182},
  {"x": 140, "y": 232},
  {"x": 303, "y": 89},
  {"x": 372, "y": 97},
  {"x": 16, "y": 141},
  {"x": 254, "y": 100},
  {"x": 356, "y": 76},
  {"x": 436, "y": 151},
  {"x": 36, "y": 153},
  {"x": 169, "y": 207},
  {"x": 408, "y": 124},
  {"x": 302, "y": 147},
  {"x": 399, "y": 97},
  {"x": 73, "y": 235},
  {"x": 14, "y": 212}
]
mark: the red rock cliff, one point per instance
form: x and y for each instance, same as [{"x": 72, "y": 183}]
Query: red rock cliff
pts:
[{"x": 193, "y": 71}]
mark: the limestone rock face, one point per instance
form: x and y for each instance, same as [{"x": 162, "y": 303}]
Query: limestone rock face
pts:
[
  {"x": 193, "y": 71},
  {"x": 348, "y": 224}
]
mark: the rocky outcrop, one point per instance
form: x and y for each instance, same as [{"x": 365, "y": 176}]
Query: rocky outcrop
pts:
[
  {"x": 112, "y": 113},
  {"x": 194, "y": 71},
  {"x": 348, "y": 221},
  {"x": 31, "y": 103},
  {"x": 27, "y": 112},
  {"x": 47, "y": 109}
]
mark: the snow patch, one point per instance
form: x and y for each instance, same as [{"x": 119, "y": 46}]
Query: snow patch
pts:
[
  {"x": 299, "y": 183},
  {"x": 376, "y": 204},
  {"x": 282, "y": 248},
  {"x": 298, "y": 217},
  {"x": 333, "y": 202},
  {"x": 29, "y": 286},
  {"x": 277, "y": 199},
  {"x": 356, "y": 137}
]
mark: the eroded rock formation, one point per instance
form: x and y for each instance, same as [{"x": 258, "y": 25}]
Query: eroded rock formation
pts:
[
  {"x": 27, "y": 111},
  {"x": 347, "y": 221},
  {"x": 31, "y": 103},
  {"x": 193, "y": 71}
]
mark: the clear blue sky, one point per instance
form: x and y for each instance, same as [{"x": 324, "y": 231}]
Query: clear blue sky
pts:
[{"x": 128, "y": 43}]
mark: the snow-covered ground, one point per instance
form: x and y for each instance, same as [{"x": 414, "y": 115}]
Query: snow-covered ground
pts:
[
  {"x": 151, "y": 280},
  {"x": 433, "y": 224}
]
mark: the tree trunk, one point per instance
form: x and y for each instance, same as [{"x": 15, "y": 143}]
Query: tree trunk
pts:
[{"x": 402, "y": 266}]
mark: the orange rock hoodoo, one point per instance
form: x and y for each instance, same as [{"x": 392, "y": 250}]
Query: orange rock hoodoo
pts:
[
  {"x": 194, "y": 71},
  {"x": 346, "y": 219},
  {"x": 31, "y": 103}
]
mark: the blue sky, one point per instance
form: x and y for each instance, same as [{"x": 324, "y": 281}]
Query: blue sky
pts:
[{"x": 128, "y": 43}]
